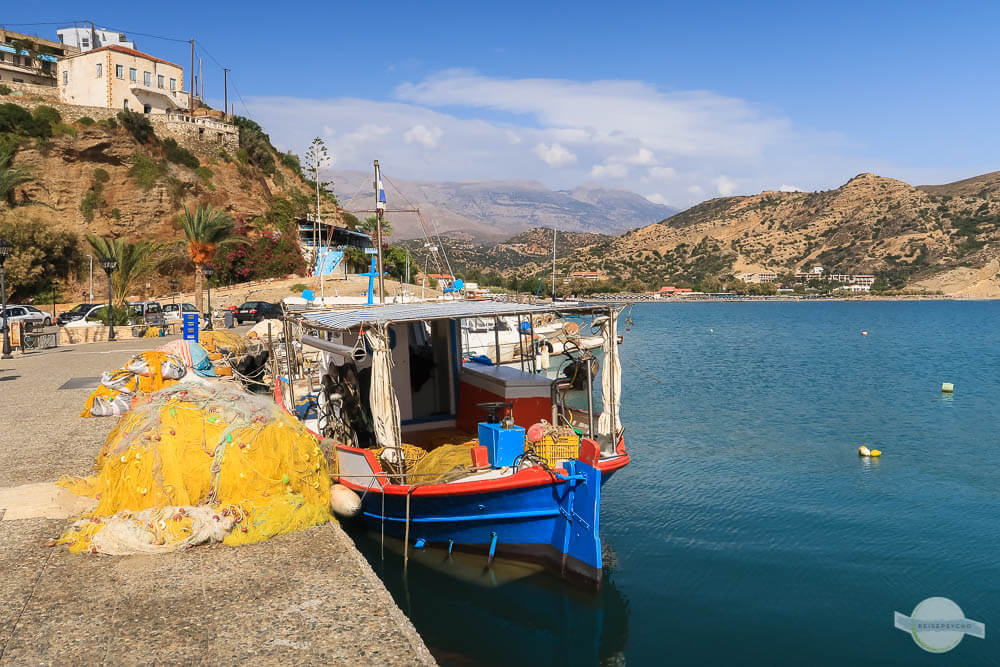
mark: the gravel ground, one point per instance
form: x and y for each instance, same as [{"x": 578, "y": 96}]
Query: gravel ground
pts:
[{"x": 308, "y": 597}]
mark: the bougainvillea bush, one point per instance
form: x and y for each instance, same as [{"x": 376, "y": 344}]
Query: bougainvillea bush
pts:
[{"x": 268, "y": 254}]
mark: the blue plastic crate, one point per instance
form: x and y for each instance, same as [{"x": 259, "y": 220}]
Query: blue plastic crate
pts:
[{"x": 503, "y": 444}]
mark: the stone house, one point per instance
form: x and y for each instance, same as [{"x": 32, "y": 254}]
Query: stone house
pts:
[{"x": 117, "y": 77}]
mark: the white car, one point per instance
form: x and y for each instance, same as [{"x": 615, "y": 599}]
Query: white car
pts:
[
  {"x": 90, "y": 318},
  {"x": 29, "y": 316},
  {"x": 172, "y": 312}
]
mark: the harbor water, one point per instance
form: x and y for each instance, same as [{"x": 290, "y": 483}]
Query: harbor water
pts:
[{"x": 748, "y": 530}]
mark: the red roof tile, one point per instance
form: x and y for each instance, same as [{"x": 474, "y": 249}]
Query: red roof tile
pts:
[{"x": 131, "y": 52}]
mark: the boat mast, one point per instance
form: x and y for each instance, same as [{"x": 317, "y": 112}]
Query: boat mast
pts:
[
  {"x": 554, "y": 266},
  {"x": 379, "y": 210}
]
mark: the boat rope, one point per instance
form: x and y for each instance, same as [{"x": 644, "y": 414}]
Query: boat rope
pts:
[{"x": 651, "y": 376}]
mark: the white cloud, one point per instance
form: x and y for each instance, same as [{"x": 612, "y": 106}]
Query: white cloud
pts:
[
  {"x": 662, "y": 173},
  {"x": 789, "y": 188},
  {"x": 724, "y": 185},
  {"x": 554, "y": 155},
  {"x": 562, "y": 133},
  {"x": 643, "y": 156},
  {"x": 612, "y": 171},
  {"x": 657, "y": 198},
  {"x": 425, "y": 136}
]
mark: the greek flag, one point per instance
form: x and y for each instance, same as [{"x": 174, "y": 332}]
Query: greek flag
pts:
[{"x": 380, "y": 203}]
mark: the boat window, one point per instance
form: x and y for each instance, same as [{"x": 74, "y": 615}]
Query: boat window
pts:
[{"x": 430, "y": 369}]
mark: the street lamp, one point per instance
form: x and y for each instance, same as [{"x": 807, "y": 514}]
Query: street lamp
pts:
[
  {"x": 109, "y": 264},
  {"x": 173, "y": 290},
  {"x": 5, "y": 250},
  {"x": 207, "y": 271}
]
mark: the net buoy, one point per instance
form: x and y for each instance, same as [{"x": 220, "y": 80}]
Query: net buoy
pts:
[
  {"x": 864, "y": 451},
  {"x": 344, "y": 501},
  {"x": 864, "y": 333},
  {"x": 947, "y": 387}
]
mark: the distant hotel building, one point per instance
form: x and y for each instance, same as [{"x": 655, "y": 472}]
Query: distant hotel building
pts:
[
  {"x": 816, "y": 273},
  {"x": 586, "y": 275},
  {"x": 762, "y": 277}
]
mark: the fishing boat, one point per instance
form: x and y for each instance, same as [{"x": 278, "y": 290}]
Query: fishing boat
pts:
[{"x": 463, "y": 456}]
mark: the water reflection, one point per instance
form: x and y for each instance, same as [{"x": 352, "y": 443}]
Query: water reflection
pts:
[{"x": 509, "y": 613}]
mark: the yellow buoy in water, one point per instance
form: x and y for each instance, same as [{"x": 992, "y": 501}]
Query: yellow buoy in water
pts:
[
  {"x": 947, "y": 387},
  {"x": 864, "y": 451},
  {"x": 876, "y": 452}
]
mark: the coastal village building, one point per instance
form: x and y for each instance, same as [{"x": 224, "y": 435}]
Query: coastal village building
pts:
[
  {"x": 28, "y": 59},
  {"x": 586, "y": 275},
  {"x": 86, "y": 39},
  {"x": 117, "y": 77},
  {"x": 762, "y": 277}
]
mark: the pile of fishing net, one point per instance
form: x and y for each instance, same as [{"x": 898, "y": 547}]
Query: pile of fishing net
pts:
[
  {"x": 144, "y": 373},
  {"x": 197, "y": 463},
  {"x": 444, "y": 463}
]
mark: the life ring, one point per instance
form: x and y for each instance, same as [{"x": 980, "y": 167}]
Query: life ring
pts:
[{"x": 540, "y": 343}]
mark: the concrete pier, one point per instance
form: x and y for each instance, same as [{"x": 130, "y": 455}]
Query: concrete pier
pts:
[{"x": 305, "y": 598}]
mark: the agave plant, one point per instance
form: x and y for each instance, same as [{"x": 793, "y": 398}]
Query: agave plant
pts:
[{"x": 206, "y": 229}]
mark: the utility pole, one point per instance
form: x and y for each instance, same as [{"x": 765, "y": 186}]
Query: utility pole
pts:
[
  {"x": 201, "y": 79},
  {"x": 225, "y": 86},
  {"x": 191, "y": 83},
  {"x": 379, "y": 210},
  {"x": 554, "y": 265}
]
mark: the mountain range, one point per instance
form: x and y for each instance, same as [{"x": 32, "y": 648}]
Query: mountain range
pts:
[
  {"x": 939, "y": 238},
  {"x": 494, "y": 210}
]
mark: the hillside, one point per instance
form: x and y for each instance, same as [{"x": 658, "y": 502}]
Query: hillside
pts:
[
  {"x": 97, "y": 178},
  {"x": 520, "y": 253},
  {"x": 491, "y": 210},
  {"x": 932, "y": 237}
]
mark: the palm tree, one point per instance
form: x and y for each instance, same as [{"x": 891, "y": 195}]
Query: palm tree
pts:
[
  {"x": 206, "y": 229},
  {"x": 135, "y": 260},
  {"x": 11, "y": 177}
]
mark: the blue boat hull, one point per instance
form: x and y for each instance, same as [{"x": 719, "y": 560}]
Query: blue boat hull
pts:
[{"x": 556, "y": 523}]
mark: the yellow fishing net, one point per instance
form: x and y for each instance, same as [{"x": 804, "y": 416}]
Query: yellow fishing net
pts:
[
  {"x": 223, "y": 341},
  {"x": 216, "y": 453},
  {"x": 145, "y": 373},
  {"x": 444, "y": 462}
]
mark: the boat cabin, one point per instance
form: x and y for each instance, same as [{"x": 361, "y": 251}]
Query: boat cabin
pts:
[{"x": 421, "y": 387}]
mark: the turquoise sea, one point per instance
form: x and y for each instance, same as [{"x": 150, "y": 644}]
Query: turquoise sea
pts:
[{"x": 747, "y": 529}]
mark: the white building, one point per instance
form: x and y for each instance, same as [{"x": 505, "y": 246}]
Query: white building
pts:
[
  {"x": 89, "y": 38},
  {"x": 763, "y": 277},
  {"x": 121, "y": 78}
]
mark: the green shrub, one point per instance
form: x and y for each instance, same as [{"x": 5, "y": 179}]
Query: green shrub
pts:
[
  {"x": 47, "y": 114},
  {"x": 224, "y": 155},
  {"x": 86, "y": 121},
  {"x": 101, "y": 176},
  {"x": 138, "y": 126},
  {"x": 5, "y": 89},
  {"x": 297, "y": 287},
  {"x": 17, "y": 120},
  {"x": 109, "y": 123},
  {"x": 205, "y": 174},
  {"x": 253, "y": 140},
  {"x": 116, "y": 213},
  {"x": 91, "y": 202},
  {"x": 178, "y": 154},
  {"x": 63, "y": 128},
  {"x": 243, "y": 156},
  {"x": 145, "y": 171},
  {"x": 176, "y": 188}
]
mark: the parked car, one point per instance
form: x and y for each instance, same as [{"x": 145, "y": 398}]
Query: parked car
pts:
[
  {"x": 173, "y": 311},
  {"x": 74, "y": 313},
  {"x": 29, "y": 315},
  {"x": 256, "y": 311},
  {"x": 95, "y": 315}
]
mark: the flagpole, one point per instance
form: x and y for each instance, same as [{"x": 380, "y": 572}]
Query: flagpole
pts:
[{"x": 379, "y": 209}]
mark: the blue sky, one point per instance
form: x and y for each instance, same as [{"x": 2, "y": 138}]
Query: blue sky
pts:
[{"x": 677, "y": 101}]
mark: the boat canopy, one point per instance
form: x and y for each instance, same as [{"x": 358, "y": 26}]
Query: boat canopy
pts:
[{"x": 344, "y": 320}]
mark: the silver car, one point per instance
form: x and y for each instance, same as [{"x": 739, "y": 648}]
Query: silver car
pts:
[{"x": 29, "y": 316}]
